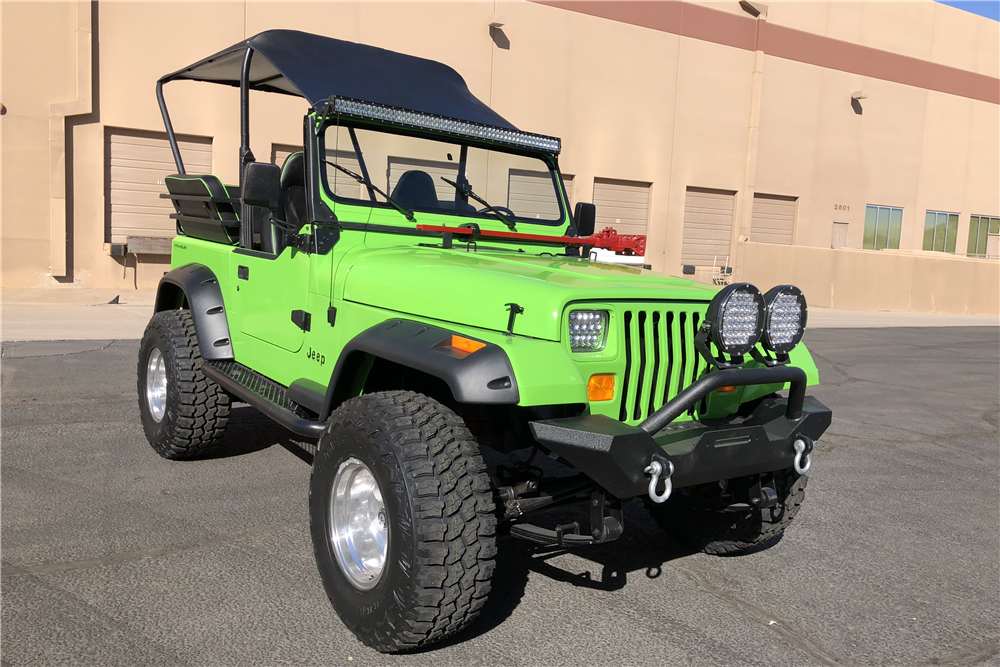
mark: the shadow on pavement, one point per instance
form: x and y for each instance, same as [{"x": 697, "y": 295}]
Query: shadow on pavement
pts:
[
  {"x": 644, "y": 553},
  {"x": 249, "y": 431}
]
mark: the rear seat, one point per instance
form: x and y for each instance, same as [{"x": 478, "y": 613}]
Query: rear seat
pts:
[{"x": 206, "y": 209}]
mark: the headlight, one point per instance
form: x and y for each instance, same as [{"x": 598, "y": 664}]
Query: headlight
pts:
[
  {"x": 737, "y": 317},
  {"x": 786, "y": 318},
  {"x": 588, "y": 330}
]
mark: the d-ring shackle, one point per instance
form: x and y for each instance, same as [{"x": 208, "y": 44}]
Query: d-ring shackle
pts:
[
  {"x": 657, "y": 467},
  {"x": 803, "y": 455}
]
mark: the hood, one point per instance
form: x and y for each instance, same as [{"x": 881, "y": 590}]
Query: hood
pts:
[{"x": 474, "y": 288}]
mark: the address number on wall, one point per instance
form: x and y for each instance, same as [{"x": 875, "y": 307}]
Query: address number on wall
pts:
[{"x": 841, "y": 207}]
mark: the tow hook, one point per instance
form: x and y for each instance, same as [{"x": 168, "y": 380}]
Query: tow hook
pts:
[
  {"x": 657, "y": 467},
  {"x": 803, "y": 454}
]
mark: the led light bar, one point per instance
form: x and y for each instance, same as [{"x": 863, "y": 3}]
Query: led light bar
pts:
[{"x": 451, "y": 126}]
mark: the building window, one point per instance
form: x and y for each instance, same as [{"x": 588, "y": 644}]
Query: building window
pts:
[
  {"x": 940, "y": 231},
  {"x": 882, "y": 224},
  {"x": 980, "y": 228}
]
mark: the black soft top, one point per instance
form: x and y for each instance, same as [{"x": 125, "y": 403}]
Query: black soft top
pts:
[{"x": 315, "y": 67}]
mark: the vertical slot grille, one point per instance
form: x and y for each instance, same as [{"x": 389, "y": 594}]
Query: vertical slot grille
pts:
[
  {"x": 637, "y": 410},
  {"x": 660, "y": 359},
  {"x": 695, "y": 357},
  {"x": 623, "y": 411},
  {"x": 670, "y": 358},
  {"x": 683, "y": 354},
  {"x": 653, "y": 393}
]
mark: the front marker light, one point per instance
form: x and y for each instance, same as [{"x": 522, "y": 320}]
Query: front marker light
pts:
[
  {"x": 601, "y": 387},
  {"x": 786, "y": 318},
  {"x": 588, "y": 330}
]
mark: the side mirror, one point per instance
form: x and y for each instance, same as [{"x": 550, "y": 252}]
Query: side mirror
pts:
[
  {"x": 262, "y": 185},
  {"x": 585, "y": 216}
]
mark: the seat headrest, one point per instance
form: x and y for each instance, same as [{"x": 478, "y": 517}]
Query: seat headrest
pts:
[
  {"x": 195, "y": 184},
  {"x": 293, "y": 172},
  {"x": 415, "y": 189}
]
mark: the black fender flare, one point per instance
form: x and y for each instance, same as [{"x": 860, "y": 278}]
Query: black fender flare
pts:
[
  {"x": 482, "y": 377},
  {"x": 197, "y": 284}
]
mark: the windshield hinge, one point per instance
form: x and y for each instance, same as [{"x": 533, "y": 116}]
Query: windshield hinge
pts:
[{"x": 303, "y": 242}]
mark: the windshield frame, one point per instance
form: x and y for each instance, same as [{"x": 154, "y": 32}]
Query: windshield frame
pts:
[{"x": 549, "y": 160}]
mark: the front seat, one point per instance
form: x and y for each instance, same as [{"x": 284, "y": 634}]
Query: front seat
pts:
[
  {"x": 292, "y": 200},
  {"x": 415, "y": 189}
]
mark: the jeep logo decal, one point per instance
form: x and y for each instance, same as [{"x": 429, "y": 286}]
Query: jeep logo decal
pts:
[{"x": 316, "y": 356}]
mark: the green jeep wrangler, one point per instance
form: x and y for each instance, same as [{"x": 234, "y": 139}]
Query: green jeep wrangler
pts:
[{"x": 410, "y": 322}]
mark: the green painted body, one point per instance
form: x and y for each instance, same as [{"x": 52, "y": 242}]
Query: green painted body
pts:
[{"x": 371, "y": 276}]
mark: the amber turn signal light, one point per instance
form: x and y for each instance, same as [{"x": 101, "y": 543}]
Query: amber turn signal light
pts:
[
  {"x": 466, "y": 344},
  {"x": 601, "y": 387},
  {"x": 726, "y": 390}
]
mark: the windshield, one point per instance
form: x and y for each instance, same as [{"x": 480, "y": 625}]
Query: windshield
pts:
[{"x": 415, "y": 173}]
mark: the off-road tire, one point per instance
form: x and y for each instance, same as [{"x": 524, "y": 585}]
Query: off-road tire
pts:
[
  {"x": 197, "y": 409},
  {"x": 733, "y": 533},
  {"x": 440, "y": 513}
]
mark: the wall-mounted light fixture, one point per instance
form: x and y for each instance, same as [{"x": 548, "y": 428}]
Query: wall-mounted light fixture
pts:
[
  {"x": 754, "y": 9},
  {"x": 496, "y": 32},
  {"x": 856, "y": 98}
]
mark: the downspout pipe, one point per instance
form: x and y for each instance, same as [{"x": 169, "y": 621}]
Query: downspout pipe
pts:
[{"x": 58, "y": 112}]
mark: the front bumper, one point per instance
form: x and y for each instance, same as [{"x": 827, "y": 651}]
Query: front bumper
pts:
[{"x": 615, "y": 454}]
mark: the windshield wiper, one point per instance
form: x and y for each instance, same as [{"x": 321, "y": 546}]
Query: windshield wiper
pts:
[
  {"x": 506, "y": 218},
  {"x": 368, "y": 184}
]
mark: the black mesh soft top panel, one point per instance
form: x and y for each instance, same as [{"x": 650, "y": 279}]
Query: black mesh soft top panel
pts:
[{"x": 316, "y": 67}]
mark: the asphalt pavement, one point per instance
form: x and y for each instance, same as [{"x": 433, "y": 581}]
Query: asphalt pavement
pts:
[{"x": 114, "y": 556}]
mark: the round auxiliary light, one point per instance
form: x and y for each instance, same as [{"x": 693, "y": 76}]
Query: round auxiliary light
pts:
[
  {"x": 786, "y": 318},
  {"x": 737, "y": 317}
]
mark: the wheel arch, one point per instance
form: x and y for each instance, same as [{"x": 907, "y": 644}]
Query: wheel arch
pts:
[
  {"x": 484, "y": 377},
  {"x": 196, "y": 288}
]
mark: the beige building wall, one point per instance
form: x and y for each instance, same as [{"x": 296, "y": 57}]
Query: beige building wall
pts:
[
  {"x": 39, "y": 76},
  {"x": 676, "y": 95}
]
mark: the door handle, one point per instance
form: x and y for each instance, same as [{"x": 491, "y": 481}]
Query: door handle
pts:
[{"x": 243, "y": 272}]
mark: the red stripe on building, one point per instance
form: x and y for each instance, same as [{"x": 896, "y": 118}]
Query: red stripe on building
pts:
[{"x": 718, "y": 27}]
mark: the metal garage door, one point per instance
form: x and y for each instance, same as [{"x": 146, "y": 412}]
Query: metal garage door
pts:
[
  {"x": 708, "y": 226},
  {"x": 280, "y": 153},
  {"x": 530, "y": 194},
  {"x": 623, "y": 205},
  {"x": 136, "y": 165},
  {"x": 342, "y": 184},
  {"x": 773, "y": 219},
  {"x": 400, "y": 165}
]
